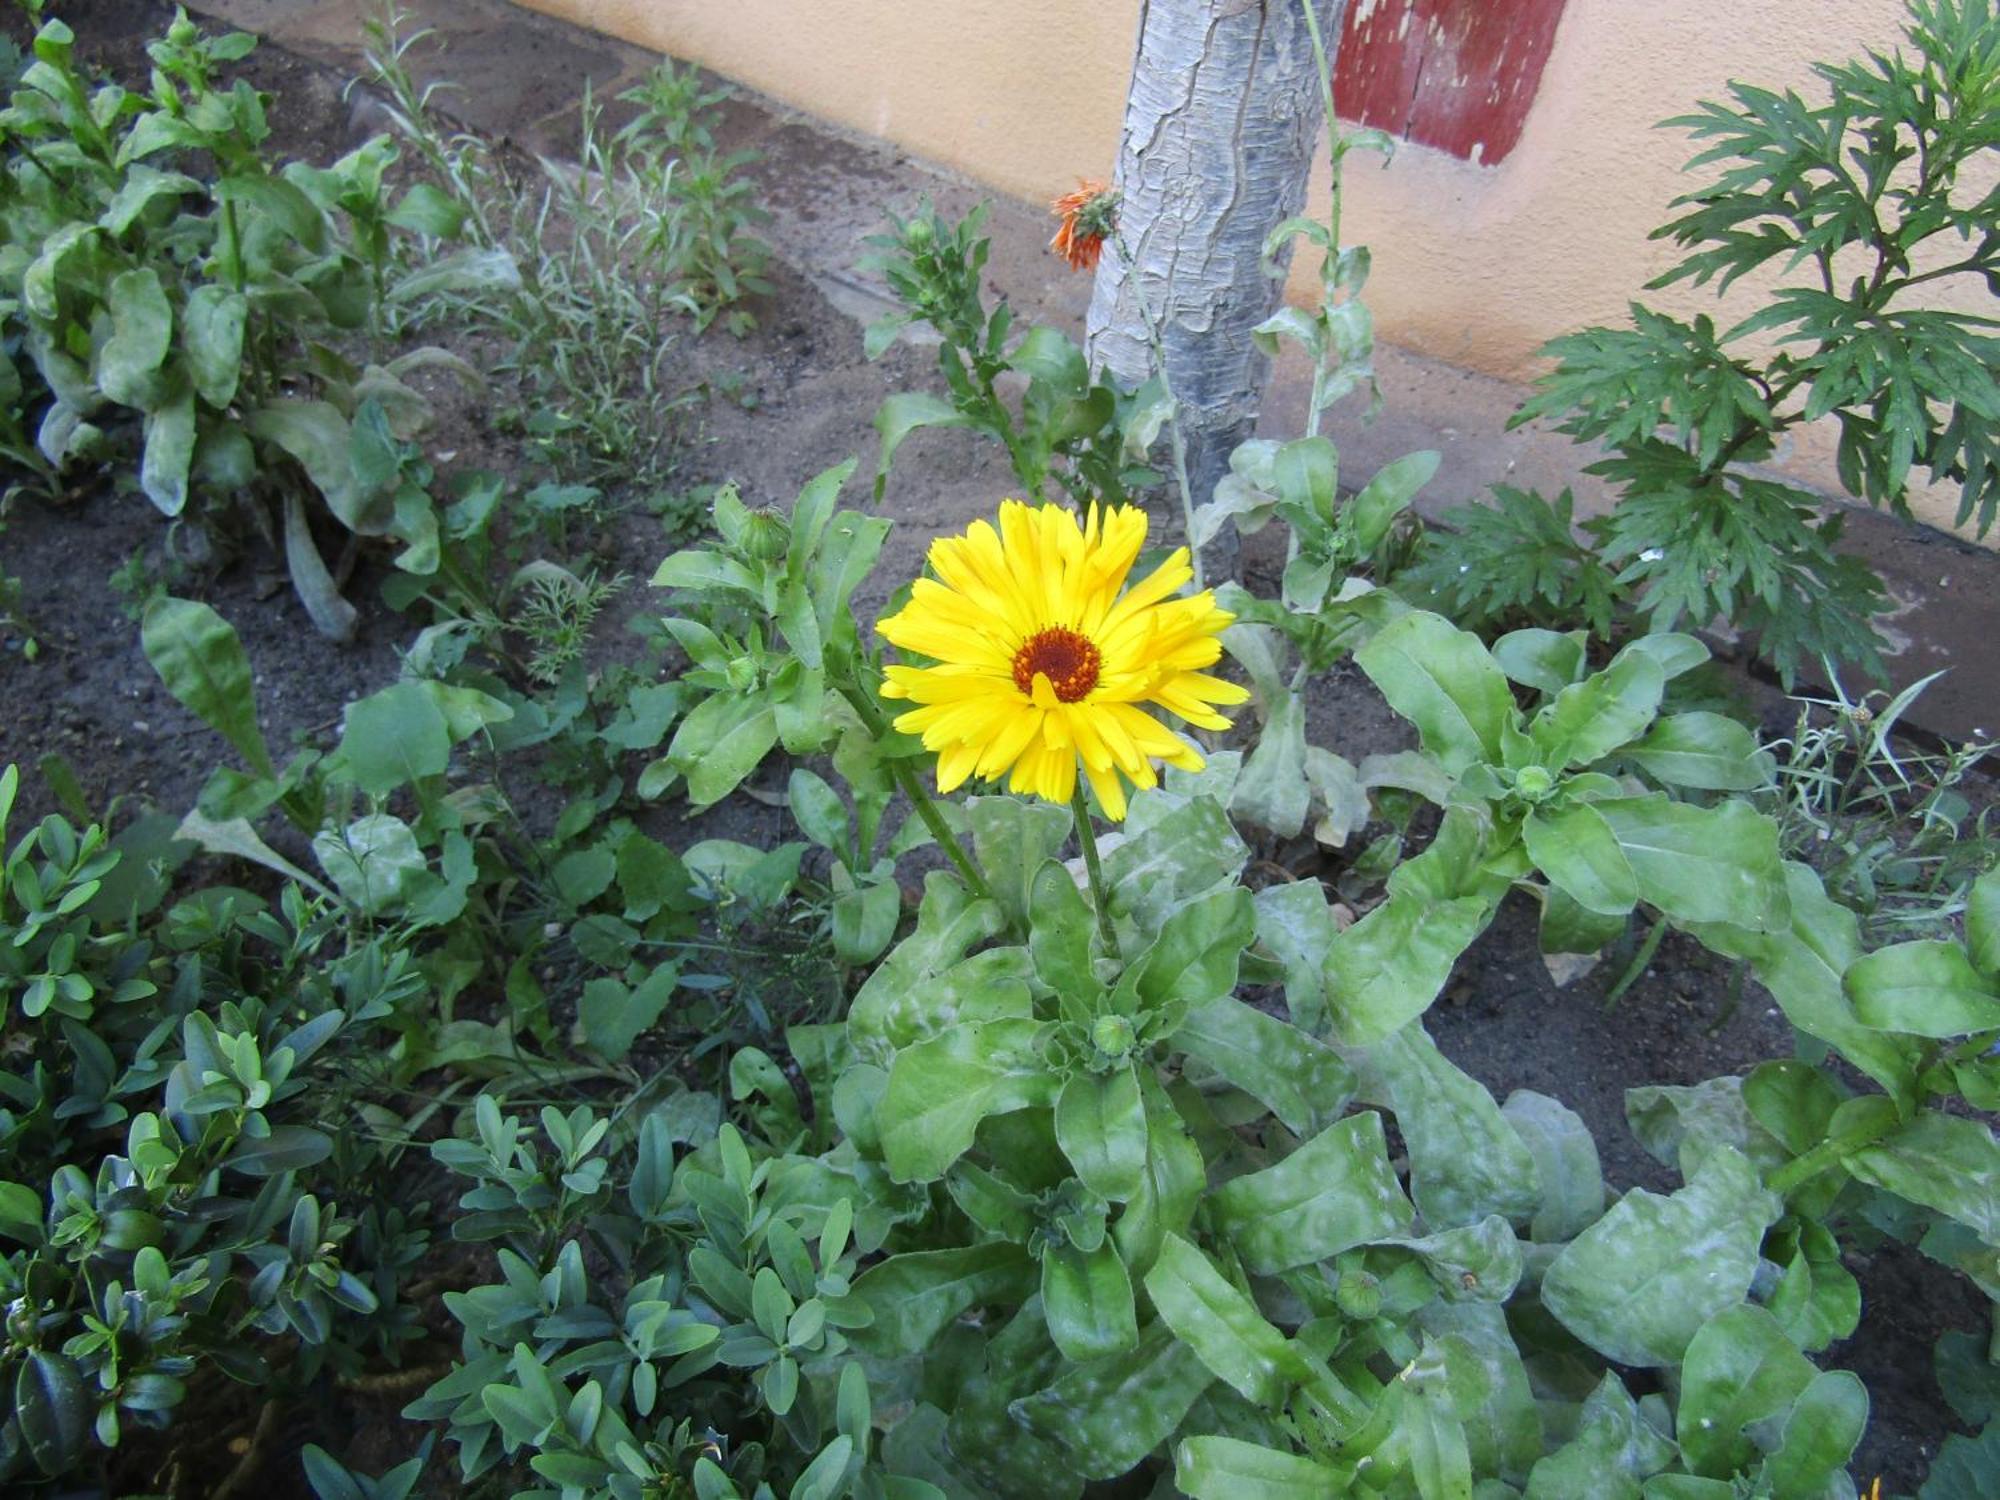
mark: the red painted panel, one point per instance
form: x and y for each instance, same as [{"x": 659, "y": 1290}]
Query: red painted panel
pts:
[{"x": 1455, "y": 74}]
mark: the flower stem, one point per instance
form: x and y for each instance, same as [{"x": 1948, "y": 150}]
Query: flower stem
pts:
[
  {"x": 913, "y": 788},
  {"x": 927, "y": 809},
  {"x": 1087, "y": 839},
  {"x": 1176, "y": 436}
]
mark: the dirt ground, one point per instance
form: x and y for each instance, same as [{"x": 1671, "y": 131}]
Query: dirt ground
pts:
[{"x": 803, "y": 398}]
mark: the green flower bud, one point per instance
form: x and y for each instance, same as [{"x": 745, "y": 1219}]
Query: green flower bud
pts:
[
  {"x": 919, "y": 236},
  {"x": 1533, "y": 783},
  {"x": 742, "y": 673},
  {"x": 1359, "y": 1295},
  {"x": 1113, "y": 1036},
  {"x": 766, "y": 534}
]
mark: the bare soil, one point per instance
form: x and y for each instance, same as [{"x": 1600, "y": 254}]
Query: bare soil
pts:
[{"x": 803, "y": 397}]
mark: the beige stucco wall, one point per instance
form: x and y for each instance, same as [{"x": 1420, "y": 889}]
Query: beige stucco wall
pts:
[{"x": 1477, "y": 265}]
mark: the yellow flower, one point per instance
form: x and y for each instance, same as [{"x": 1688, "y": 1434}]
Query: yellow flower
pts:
[{"x": 1042, "y": 665}]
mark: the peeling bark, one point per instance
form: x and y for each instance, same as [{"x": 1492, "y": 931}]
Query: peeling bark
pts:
[{"x": 1221, "y": 125}]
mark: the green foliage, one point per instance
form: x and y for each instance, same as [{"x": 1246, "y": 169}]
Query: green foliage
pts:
[
  {"x": 1516, "y": 563},
  {"x": 1892, "y": 830},
  {"x": 171, "y": 1183},
  {"x": 202, "y": 316},
  {"x": 748, "y": 691},
  {"x": 1087, "y": 435},
  {"x": 582, "y": 270},
  {"x": 1873, "y": 191}
]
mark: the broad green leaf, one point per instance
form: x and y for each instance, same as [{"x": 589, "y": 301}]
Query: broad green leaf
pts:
[
  {"x": 1570, "y": 1180},
  {"x": 1171, "y": 1186},
  {"x": 1195, "y": 958},
  {"x": 1443, "y": 681},
  {"x": 1740, "y": 1370},
  {"x": 317, "y": 436},
  {"x": 1087, "y": 1300},
  {"x": 1466, "y": 1161},
  {"x": 1060, "y": 929},
  {"x": 738, "y": 737},
  {"x": 394, "y": 738},
  {"x": 1302, "y": 1081},
  {"x": 1385, "y": 970},
  {"x": 1227, "y": 1468},
  {"x": 202, "y": 662},
  {"x": 1101, "y": 1125},
  {"x": 288, "y": 1148},
  {"x": 374, "y": 861},
  {"x": 1680, "y": 1125},
  {"x": 1222, "y": 1325},
  {"x": 1943, "y": 1162},
  {"x": 1012, "y": 837},
  {"x": 1612, "y": 1451},
  {"x": 1051, "y": 356},
  {"x": 1965, "y": 1468},
  {"x": 1273, "y": 792},
  {"x": 902, "y": 414},
  {"x": 1677, "y": 654},
  {"x": 1801, "y": 964},
  {"x": 1793, "y": 1101},
  {"x": 1479, "y": 1262},
  {"x": 1820, "y": 1435},
  {"x": 1817, "y": 1299},
  {"x": 1639, "y": 1283},
  {"x": 1489, "y": 1388},
  {"x": 1307, "y": 474},
  {"x": 818, "y": 810},
  {"x": 940, "y": 1089},
  {"x": 169, "y": 431},
  {"x": 1159, "y": 868},
  {"x": 1982, "y": 923},
  {"x": 898, "y": 1005},
  {"x": 1374, "y": 510},
  {"x": 53, "y": 1407},
  {"x": 1429, "y": 1435},
  {"x": 1541, "y": 659},
  {"x": 1589, "y": 719},
  {"x": 236, "y": 838},
  {"x": 1926, "y": 988},
  {"x": 1575, "y": 848},
  {"x": 212, "y": 339},
  {"x": 863, "y": 922},
  {"x": 917, "y": 1296},
  {"x": 142, "y": 329},
  {"x": 1701, "y": 864},
  {"x": 612, "y": 1016},
  {"x": 141, "y": 187},
  {"x": 1295, "y": 922},
  {"x": 1705, "y": 751},
  {"x": 1107, "y": 1415},
  {"x": 701, "y": 571},
  {"x": 1334, "y": 1192}
]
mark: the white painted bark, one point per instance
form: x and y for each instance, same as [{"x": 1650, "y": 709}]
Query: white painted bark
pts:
[{"x": 1221, "y": 126}]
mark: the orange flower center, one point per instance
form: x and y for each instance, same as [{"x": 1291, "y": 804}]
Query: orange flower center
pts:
[{"x": 1068, "y": 659}]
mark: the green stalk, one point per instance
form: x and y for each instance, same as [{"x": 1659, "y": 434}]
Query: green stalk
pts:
[
  {"x": 913, "y": 788},
  {"x": 1086, "y": 837},
  {"x": 1640, "y": 960},
  {"x": 1176, "y": 438}
]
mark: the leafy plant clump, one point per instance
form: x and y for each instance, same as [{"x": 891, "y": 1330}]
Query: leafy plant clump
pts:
[
  {"x": 1858, "y": 205},
  {"x": 205, "y": 317}
]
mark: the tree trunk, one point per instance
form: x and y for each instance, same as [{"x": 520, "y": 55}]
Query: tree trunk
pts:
[{"x": 1221, "y": 125}]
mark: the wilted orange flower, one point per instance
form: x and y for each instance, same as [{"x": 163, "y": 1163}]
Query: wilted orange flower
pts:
[{"x": 1088, "y": 216}]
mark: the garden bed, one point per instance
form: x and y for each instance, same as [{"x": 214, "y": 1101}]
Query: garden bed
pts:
[{"x": 774, "y": 408}]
